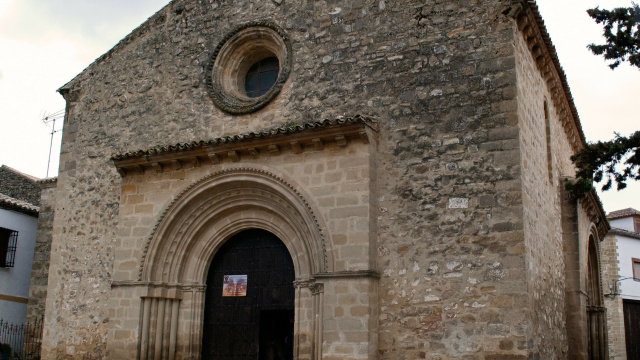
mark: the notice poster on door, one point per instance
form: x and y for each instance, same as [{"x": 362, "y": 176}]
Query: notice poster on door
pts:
[{"x": 234, "y": 285}]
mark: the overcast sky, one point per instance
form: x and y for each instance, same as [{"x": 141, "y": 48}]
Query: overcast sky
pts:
[{"x": 45, "y": 43}]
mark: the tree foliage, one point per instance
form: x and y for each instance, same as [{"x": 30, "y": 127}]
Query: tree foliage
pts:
[
  {"x": 615, "y": 161},
  {"x": 618, "y": 160},
  {"x": 622, "y": 33}
]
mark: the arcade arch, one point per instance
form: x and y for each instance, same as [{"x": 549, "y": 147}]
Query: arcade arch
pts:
[{"x": 191, "y": 231}]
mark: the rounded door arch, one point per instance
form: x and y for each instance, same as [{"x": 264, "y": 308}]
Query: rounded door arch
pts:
[
  {"x": 249, "y": 302},
  {"x": 195, "y": 226},
  {"x": 197, "y": 221}
]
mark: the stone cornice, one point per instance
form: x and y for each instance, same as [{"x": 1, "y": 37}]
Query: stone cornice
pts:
[
  {"x": 48, "y": 182},
  {"x": 534, "y": 32},
  {"x": 296, "y": 138},
  {"x": 162, "y": 290},
  {"x": 348, "y": 274},
  {"x": 157, "y": 284}
]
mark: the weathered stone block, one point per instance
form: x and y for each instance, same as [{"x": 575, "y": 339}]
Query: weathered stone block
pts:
[{"x": 431, "y": 228}]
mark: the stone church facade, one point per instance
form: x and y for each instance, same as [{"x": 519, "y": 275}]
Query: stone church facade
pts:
[{"x": 409, "y": 155}]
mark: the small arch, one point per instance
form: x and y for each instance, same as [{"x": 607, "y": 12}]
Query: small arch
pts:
[
  {"x": 594, "y": 274},
  {"x": 548, "y": 139},
  {"x": 202, "y": 217}
]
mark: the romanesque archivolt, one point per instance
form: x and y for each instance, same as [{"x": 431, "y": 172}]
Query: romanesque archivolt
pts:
[
  {"x": 249, "y": 67},
  {"x": 214, "y": 208}
]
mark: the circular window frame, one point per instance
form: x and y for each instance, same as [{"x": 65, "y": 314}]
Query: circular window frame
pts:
[{"x": 244, "y": 46}]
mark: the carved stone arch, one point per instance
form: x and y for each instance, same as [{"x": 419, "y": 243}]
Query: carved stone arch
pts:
[
  {"x": 207, "y": 213},
  {"x": 596, "y": 311},
  {"x": 594, "y": 260}
]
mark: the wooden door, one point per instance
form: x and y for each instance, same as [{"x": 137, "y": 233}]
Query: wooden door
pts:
[
  {"x": 253, "y": 320},
  {"x": 632, "y": 328}
]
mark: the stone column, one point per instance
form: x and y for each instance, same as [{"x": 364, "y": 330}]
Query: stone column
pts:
[
  {"x": 306, "y": 323},
  {"x": 613, "y": 303},
  {"x": 575, "y": 295}
]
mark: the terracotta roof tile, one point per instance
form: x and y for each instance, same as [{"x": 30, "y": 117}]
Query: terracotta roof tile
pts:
[
  {"x": 622, "y": 213},
  {"x": 26, "y": 176},
  {"x": 261, "y": 134},
  {"x": 9, "y": 203}
]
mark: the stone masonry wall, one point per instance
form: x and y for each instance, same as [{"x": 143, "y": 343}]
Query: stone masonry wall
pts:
[
  {"x": 337, "y": 181},
  {"x": 440, "y": 77},
  {"x": 541, "y": 178},
  {"x": 615, "y": 316},
  {"x": 576, "y": 231},
  {"x": 450, "y": 239},
  {"x": 40, "y": 266},
  {"x": 546, "y": 164}
]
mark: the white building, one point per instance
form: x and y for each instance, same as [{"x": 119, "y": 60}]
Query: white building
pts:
[
  {"x": 623, "y": 284},
  {"x": 625, "y": 225},
  {"x": 18, "y": 225}
]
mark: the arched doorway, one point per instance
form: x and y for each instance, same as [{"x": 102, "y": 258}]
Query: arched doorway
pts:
[
  {"x": 596, "y": 312},
  {"x": 192, "y": 231},
  {"x": 249, "y": 302}
]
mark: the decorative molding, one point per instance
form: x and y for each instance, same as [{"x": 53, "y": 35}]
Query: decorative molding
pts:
[
  {"x": 592, "y": 205},
  {"x": 595, "y": 234},
  {"x": 513, "y": 8},
  {"x": 533, "y": 30},
  {"x": 303, "y": 283},
  {"x": 297, "y": 138},
  {"x": 159, "y": 284},
  {"x": 231, "y": 55},
  {"x": 48, "y": 182},
  {"x": 316, "y": 288},
  {"x": 348, "y": 274},
  {"x": 127, "y": 283},
  {"x": 201, "y": 207},
  {"x": 159, "y": 328}
]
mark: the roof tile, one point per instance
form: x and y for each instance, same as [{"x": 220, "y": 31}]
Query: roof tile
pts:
[
  {"x": 622, "y": 213},
  {"x": 260, "y": 134},
  {"x": 9, "y": 203}
]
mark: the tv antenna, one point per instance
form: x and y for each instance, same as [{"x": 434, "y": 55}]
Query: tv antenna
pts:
[{"x": 51, "y": 118}]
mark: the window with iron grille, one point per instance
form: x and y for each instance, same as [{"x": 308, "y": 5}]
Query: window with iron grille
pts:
[{"x": 8, "y": 242}]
